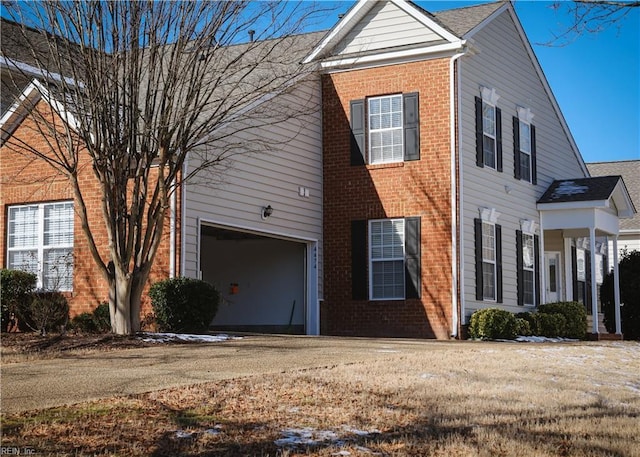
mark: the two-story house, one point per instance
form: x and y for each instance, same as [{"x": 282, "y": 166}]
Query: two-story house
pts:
[
  {"x": 451, "y": 180},
  {"x": 436, "y": 177}
]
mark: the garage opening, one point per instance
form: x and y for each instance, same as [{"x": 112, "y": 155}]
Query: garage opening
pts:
[{"x": 261, "y": 279}]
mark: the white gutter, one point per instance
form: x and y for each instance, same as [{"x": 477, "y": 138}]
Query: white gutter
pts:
[
  {"x": 31, "y": 70},
  {"x": 454, "y": 193}
]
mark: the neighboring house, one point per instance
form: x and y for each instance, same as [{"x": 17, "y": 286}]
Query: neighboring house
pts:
[
  {"x": 629, "y": 237},
  {"x": 437, "y": 177}
]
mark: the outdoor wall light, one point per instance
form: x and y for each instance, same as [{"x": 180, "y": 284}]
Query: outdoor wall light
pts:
[{"x": 266, "y": 212}]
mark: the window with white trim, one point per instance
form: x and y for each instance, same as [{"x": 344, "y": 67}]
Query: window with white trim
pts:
[
  {"x": 488, "y": 261},
  {"x": 385, "y": 129},
  {"x": 40, "y": 240},
  {"x": 525, "y": 150},
  {"x": 528, "y": 269},
  {"x": 489, "y": 139},
  {"x": 387, "y": 259}
]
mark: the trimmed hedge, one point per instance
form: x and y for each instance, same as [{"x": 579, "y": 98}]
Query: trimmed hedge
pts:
[
  {"x": 184, "y": 304},
  {"x": 575, "y": 318},
  {"x": 492, "y": 324},
  {"x": 549, "y": 325}
]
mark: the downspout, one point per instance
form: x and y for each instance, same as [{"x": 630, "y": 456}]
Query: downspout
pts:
[
  {"x": 454, "y": 195},
  {"x": 183, "y": 218},
  {"x": 172, "y": 231}
]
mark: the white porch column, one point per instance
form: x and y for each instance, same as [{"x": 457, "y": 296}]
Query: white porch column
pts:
[
  {"x": 616, "y": 286},
  {"x": 543, "y": 274},
  {"x": 594, "y": 284},
  {"x": 568, "y": 275}
]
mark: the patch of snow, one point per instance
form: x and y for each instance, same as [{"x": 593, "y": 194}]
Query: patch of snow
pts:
[
  {"x": 568, "y": 188},
  {"x": 171, "y": 337},
  {"x": 183, "y": 435},
  {"x": 342, "y": 453},
  {"x": 543, "y": 339},
  {"x": 307, "y": 436}
]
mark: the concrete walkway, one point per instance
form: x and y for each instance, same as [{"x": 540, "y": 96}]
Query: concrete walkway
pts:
[{"x": 56, "y": 382}]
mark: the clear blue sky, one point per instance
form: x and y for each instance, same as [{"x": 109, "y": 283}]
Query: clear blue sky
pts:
[{"x": 595, "y": 78}]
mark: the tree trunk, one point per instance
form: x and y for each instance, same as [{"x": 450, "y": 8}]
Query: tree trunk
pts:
[{"x": 125, "y": 297}]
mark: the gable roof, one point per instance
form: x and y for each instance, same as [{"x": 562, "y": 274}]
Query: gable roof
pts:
[
  {"x": 630, "y": 172},
  {"x": 597, "y": 191}
]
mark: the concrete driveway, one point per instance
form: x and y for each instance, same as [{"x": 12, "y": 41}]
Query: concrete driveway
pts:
[{"x": 56, "y": 382}]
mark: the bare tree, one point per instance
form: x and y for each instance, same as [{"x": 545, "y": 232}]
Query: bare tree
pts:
[
  {"x": 136, "y": 87},
  {"x": 591, "y": 16}
]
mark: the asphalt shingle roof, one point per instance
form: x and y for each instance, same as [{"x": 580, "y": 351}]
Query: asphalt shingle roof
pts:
[
  {"x": 462, "y": 20},
  {"x": 580, "y": 190}
]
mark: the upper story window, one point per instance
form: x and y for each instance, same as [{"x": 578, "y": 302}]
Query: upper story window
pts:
[
  {"x": 524, "y": 146},
  {"x": 489, "y": 134},
  {"x": 385, "y": 129},
  {"x": 40, "y": 240},
  {"x": 488, "y": 130}
]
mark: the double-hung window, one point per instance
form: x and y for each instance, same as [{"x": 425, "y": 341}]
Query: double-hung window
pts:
[
  {"x": 489, "y": 137},
  {"x": 528, "y": 265},
  {"x": 488, "y": 261},
  {"x": 488, "y": 247},
  {"x": 525, "y": 150},
  {"x": 528, "y": 269},
  {"x": 387, "y": 259},
  {"x": 385, "y": 129},
  {"x": 524, "y": 146},
  {"x": 40, "y": 240}
]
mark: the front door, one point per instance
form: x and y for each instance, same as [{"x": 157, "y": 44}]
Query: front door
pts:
[{"x": 553, "y": 274}]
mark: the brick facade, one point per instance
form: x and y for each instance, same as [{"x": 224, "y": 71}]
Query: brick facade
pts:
[
  {"x": 419, "y": 188},
  {"x": 26, "y": 179}
]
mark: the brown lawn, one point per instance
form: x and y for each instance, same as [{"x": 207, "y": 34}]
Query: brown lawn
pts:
[{"x": 485, "y": 399}]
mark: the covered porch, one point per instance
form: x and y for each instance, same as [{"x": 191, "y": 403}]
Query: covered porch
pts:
[{"x": 577, "y": 218}]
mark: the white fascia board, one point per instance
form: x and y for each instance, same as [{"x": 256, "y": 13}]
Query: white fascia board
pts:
[
  {"x": 442, "y": 50},
  {"x": 590, "y": 204},
  {"x": 35, "y": 71},
  {"x": 361, "y": 8},
  {"x": 341, "y": 28},
  {"x": 18, "y": 111}
]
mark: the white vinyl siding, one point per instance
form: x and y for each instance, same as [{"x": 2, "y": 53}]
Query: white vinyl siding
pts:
[
  {"x": 385, "y": 26},
  {"x": 386, "y": 256},
  {"x": 40, "y": 240},
  {"x": 385, "y": 129},
  {"x": 503, "y": 63}
]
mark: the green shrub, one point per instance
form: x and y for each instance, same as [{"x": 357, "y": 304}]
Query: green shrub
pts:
[
  {"x": 184, "y": 304},
  {"x": 575, "y": 318},
  {"x": 549, "y": 325},
  {"x": 99, "y": 321},
  {"x": 48, "y": 311},
  {"x": 492, "y": 323},
  {"x": 15, "y": 294},
  {"x": 523, "y": 327},
  {"x": 629, "y": 268}
]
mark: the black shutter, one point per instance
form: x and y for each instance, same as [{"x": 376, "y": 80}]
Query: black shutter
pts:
[
  {"x": 359, "y": 260},
  {"x": 479, "y": 134},
  {"x": 357, "y": 132},
  {"x": 574, "y": 272},
  {"x": 498, "y": 263},
  {"x": 536, "y": 263},
  {"x": 534, "y": 165},
  {"x": 477, "y": 224},
  {"x": 411, "y": 126},
  {"x": 516, "y": 148},
  {"x": 519, "y": 268},
  {"x": 498, "y": 139},
  {"x": 413, "y": 279}
]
